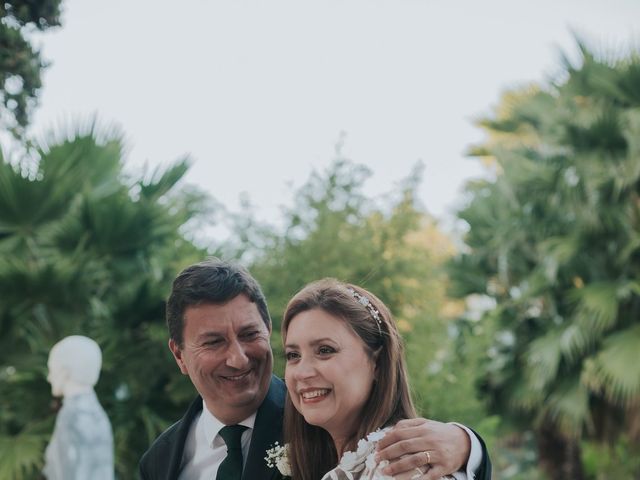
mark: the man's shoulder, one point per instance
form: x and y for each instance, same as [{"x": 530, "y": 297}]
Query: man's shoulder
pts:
[
  {"x": 278, "y": 389},
  {"x": 167, "y": 448},
  {"x": 162, "y": 446},
  {"x": 275, "y": 398}
]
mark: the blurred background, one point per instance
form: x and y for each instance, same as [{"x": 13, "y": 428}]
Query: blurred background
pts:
[{"x": 474, "y": 164}]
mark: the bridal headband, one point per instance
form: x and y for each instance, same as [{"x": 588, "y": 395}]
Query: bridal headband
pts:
[{"x": 367, "y": 303}]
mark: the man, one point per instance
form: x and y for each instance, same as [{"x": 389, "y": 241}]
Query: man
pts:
[{"x": 219, "y": 328}]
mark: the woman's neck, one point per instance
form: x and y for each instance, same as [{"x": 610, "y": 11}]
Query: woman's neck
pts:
[
  {"x": 342, "y": 436},
  {"x": 340, "y": 442}
]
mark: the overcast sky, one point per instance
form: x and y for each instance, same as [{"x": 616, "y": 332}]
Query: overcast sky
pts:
[{"x": 258, "y": 91}]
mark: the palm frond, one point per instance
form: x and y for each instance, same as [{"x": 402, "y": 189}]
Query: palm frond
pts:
[
  {"x": 90, "y": 154},
  {"x": 597, "y": 306},
  {"x": 568, "y": 407},
  {"x": 543, "y": 359},
  {"x": 522, "y": 397},
  {"x": 163, "y": 180},
  {"x": 576, "y": 341},
  {"x": 21, "y": 455},
  {"x": 615, "y": 370},
  {"x": 559, "y": 250},
  {"x": 27, "y": 203}
]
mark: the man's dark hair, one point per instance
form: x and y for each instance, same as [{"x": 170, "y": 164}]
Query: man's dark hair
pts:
[{"x": 212, "y": 281}]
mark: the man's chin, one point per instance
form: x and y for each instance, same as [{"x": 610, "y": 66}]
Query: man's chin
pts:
[
  {"x": 247, "y": 396},
  {"x": 233, "y": 407},
  {"x": 244, "y": 396}
]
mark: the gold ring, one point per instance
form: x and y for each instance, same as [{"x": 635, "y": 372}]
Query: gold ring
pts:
[{"x": 428, "y": 457}]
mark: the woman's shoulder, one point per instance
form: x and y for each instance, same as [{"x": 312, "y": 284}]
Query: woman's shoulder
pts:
[{"x": 361, "y": 464}]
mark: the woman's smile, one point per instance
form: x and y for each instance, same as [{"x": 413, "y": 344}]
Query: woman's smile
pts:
[
  {"x": 314, "y": 395},
  {"x": 329, "y": 369}
]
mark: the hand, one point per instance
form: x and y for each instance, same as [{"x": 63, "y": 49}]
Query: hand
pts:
[{"x": 406, "y": 444}]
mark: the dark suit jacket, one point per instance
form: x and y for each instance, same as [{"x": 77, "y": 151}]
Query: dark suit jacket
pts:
[
  {"x": 484, "y": 470},
  {"x": 162, "y": 460}
]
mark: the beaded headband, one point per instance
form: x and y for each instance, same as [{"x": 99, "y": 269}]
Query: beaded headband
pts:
[{"x": 367, "y": 303}]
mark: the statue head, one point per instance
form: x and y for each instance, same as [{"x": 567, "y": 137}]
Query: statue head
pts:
[{"x": 74, "y": 365}]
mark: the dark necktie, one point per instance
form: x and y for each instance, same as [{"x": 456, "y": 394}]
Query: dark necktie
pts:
[{"x": 231, "y": 466}]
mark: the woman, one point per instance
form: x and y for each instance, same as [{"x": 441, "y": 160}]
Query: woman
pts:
[{"x": 346, "y": 377}]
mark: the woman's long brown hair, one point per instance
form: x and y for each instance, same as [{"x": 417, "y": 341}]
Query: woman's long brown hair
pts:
[{"x": 311, "y": 449}]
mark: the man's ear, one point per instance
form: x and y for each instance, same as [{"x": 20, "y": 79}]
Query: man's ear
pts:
[{"x": 177, "y": 354}]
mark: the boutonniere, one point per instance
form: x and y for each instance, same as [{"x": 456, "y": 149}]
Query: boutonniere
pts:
[{"x": 278, "y": 457}]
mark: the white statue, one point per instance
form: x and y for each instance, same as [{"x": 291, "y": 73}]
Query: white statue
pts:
[{"x": 81, "y": 446}]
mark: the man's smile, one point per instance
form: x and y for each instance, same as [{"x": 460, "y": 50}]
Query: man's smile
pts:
[{"x": 237, "y": 377}]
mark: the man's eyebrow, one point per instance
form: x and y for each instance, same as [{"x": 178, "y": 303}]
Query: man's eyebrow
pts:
[
  {"x": 249, "y": 326},
  {"x": 206, "y": 335}
]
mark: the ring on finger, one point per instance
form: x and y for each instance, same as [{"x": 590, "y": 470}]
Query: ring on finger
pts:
[
  {"x": 419, "y": 473},
  {"x": 426, "y": 452}
]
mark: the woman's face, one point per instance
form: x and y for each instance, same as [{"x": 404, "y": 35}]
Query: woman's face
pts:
[{"x": 329, "y": 373}]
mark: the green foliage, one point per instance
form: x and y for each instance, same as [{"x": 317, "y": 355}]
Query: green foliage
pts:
[
  {"x": 554, "y": 240},
  {"x": 616, "y": 460},
  {"x": 513, "y": 453},
  {"x": 387, "y": 244},
  {"x": 20, "y": 453},
  {"x": 20, "y": 64},
  {"x": 85, "y": 249}
]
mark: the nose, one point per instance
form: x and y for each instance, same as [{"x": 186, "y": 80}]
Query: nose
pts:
[
  {"x": 236, "y": 355},
  {"x": 304, "y": 369}
]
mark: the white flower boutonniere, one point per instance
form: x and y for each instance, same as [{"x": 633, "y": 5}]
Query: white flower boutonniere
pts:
[{"x": 278, "y": 457}]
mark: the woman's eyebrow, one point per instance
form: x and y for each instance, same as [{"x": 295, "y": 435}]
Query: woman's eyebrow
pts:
[{"x": 312, "y": 342}]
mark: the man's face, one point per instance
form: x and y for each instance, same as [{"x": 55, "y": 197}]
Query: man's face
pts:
[{"x": 227, "y": 356}]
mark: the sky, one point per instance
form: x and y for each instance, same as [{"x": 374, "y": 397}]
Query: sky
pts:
[{"x": 258, "y": 92}]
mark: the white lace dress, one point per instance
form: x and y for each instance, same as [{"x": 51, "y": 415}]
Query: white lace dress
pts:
[{"x": 361, "y": 464}]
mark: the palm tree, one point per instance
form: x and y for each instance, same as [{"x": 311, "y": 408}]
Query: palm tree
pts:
[
  {"x": 554, "y": 238},
  {"x": 86, "y": 249}
]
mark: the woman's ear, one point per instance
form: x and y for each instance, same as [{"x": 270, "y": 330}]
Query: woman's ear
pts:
[{"x": 374, "y": 359}]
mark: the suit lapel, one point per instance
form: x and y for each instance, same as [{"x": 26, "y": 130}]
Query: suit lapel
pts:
[
  {"x": 267, "y": 430},
  {"x": 177, "y": 449}
]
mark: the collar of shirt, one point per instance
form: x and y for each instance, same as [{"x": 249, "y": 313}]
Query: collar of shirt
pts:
[
  {"x": 211, "y": 426},
  {"x": 205, "y": 450}
]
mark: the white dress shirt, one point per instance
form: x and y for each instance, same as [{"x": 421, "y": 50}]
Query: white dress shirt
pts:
[
  {"x": 475, "y": 455},
  {"x": 205, "y": 449}
]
